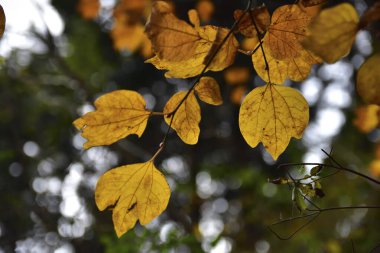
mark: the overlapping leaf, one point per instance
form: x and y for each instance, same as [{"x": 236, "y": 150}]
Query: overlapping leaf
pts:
[
  {"x": 118, "y": 114},
  {"x": 273, "y": 114},
  {"x": 284, "y": 53},
  {"x": 261, "y": 18},
  {"x": 183, "y": 49},
  {"x": 208, "y": 91},
  {"x": 186, "y": 119},
  {"x": 135, "y": 192},
  {"x": 368, "y": 80},
  {"x": 332, "y": 32}
]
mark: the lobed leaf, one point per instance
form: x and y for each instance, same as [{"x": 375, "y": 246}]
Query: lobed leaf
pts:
[
  {"x": 184, "y": 50},
  {"x": 208, "y": 91},
  {"x": 272, "y": 114},
  {"x": 186, "y": 119},
  {"x": 135, "y": 192},
  {"x": 118, "y": 114},
  {"x": 368, "y": 80},
  {"x": 332, "y": 32}
]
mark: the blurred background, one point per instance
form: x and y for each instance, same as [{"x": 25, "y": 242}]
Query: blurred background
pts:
[{"x": 57, "y": 57}]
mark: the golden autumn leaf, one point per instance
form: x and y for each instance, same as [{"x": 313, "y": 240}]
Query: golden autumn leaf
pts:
[
  {"x": 183, "y": 49},
  {"x": 332, "y": 33},
  {"x": 205, "y": 8},
  {"x": 237, "y": 94},
  {"x": 374, "y": 168},
  {"x": 208, "y": 91},
  {"x": 135, "y": 192},
  {"x": 2, "y": 21},
  {"x": 296, "y": 69},
  {"x": 118, "y": 114},
  {"x": 368, "y": 80},
  {"x": 286, "y": 31},
  {"x": 246, "y": 26},
  {"x": 127, "y": 36},
  {"x": 272, "y": 114},
  {"x": 367, "y": 118},
  {"x": 186, "y": 119},
  {"x": 284, "y": 53},
  {"x": 89, "y": 9}
]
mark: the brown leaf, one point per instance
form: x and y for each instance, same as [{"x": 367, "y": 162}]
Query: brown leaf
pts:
[
  {"x": 246, "y": 26},
  {"x": 2, "y": 21},
  {"x": 208, "y": 91},
  {"x": 89, "y": 9}
]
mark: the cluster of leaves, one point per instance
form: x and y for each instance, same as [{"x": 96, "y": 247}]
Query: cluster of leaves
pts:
[{"x": 287, "y": 44}]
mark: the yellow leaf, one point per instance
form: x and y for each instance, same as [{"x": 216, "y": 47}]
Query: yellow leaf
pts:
[
  {"x": 208, "y": 91},
  {"x": 332, "y": 33},
  {"x": 2, "y": 21},
  {"x": 374, "y": 168},
  {"x": 368, "y": 80},
  {"x": 246, "y": 27},
  {"x": 273, "y": 114},
  {"x": 205, "y": 8},
  {"x": 187, "y": 117},
  {"x": 127, "y": 36},
  {"x": 135, "y": 192},
  {"x": 367, "y": 118},
  {"x": 236, "y": 75},
  {"x": 118, "y": 114},
  {"x": 287, "y": 29},
  {"x": 184, "y": 50},
  {"x": 88, "y": 8},
  {"x": 296, "y": 69}
]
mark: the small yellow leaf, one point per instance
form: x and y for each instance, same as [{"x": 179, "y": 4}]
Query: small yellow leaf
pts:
[
  {"x": 367, "y": 118},
  {"x": 186, "y": 119},
  {"x": 208, "y": 91},
  {"x": 136, "y": 192},
  {"x": 296, "y": 69},
  {"x": 368, "y": 80},
  {"x": 185, "y": 50},
  {"x": 332, "y": 33},
  {"x": 88, "y": 8},
  {"x": 118, "y": 114},
  {"x": 246, "y": 27},
  {"x": 273, "y": 114},
  {"x": 205, "y": 8},
  {"x": 2, "y": 21},
  {"x": 236, "y": 75}
]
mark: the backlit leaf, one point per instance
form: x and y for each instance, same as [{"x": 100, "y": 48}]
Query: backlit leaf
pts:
[
  {"x": 287, "y": 29},
  {"x": 246, "y": 26},
  {"x": 118, "y": 114},
  {"x": 2, "y": 21},
  {"x": 208, "y": 91},
  {"x": 332, "y": 33},
  {"x": 368, "y": 80},
  {"x": 272, "y": 114},
  {"x": 135, "y": 192},
  {"x": 186, "y": 119},
  {"x": 183, "y": 49},
  {"x": 296, "y": 69}
]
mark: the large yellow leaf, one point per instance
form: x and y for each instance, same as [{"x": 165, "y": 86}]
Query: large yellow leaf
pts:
[
  {"x": 285, "y": 55},
  {"x": 208, "y": 91},
  {"x": 368, "y": 80},
  {"x": 273, "y": 114},
  {"x": 118, "y": 114},
  {"x": 183, "y": 49},
  {"x": 287, "y": 29},
  {"x": 187, "y": 117},
  {"x": 135, "y": 192},
  {"x": 2, "y": 21},
  {"x": 294, "y": 68},
  {"x": 332, "y": 33}
]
